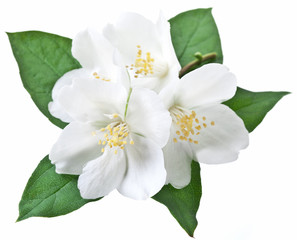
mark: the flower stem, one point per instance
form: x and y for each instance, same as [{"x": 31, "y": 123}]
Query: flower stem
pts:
[
  {"x": 127, "y": 103},
  {"x": 199, "y": 59}
]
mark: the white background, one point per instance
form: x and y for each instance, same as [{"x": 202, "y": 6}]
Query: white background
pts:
[{"x": 253, "y": 198}]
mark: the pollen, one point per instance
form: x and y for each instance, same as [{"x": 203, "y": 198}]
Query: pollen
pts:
[
  {"x": 188, "y": 124},
  {"x": 115, "y": 135},
  {"x": 143, "y": 63},
  {"x": 198, "y": 127},
  {"x": 97, "y": 76}
]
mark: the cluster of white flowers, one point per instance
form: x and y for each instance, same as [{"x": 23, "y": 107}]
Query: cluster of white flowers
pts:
[{"x": 133, "y": 124}]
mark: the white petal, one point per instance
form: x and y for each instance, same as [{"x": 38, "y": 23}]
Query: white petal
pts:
[
  {"x": 168, "y": 92},
  {"x": 221, "y": 142},
  {"x": 168, "y": 51},
  {"x": 123, "y": 78},
  {"x": 212, "y": 83},
  {"x": 178, "y": 157},
  {"x": 74, "y": 148},
  {"x": 157, "y": 83},
  {"x": 93, "y": 51},
  {"x": 66, "y": 80},
  {"x": 57, "y": 111},
  {"x": 102, "y": 175},
  {"x": 146, "y": 174},
  {"x": 90, "y": 99},
  {"x": 130, "y": 30},
  {"x": 148, "y": 117}
]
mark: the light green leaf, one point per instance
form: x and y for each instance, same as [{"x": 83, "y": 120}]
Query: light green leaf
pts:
[
  {"x": 42, "y": 59},
  {"x": 183, "y": 203},
  {"x": 195, "y": 31},
  {"x": 252, "y": 107},
  {"x": 48, "y": 194}
]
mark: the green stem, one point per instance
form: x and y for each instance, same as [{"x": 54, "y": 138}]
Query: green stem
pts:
[
  {"x": 127, "y": 103},
  {"x": 199, "y": 59}
]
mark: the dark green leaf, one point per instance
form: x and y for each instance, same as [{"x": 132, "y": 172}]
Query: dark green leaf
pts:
[
  {"x": 195, "y": 31},
  {"x": 49, "y": 194},
  {"x": 42, "y": 59},
  {"x": 252, "y": 107},
  {"x": 183, "y": 203}
]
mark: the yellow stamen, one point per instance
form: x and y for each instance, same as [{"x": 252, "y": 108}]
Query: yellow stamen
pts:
[{"x": 189, "y": 127}]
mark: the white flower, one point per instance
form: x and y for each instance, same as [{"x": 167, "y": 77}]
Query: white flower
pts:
[
  {"x": 145, "y": 48},
  {"x": 115, "y": 139},
  {"x": 202, "y": 128},
  {"x": 95, "y": 54}
]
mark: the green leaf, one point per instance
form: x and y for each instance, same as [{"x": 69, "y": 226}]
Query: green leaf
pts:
[
  {"x": 195, "y": 31},
  {"x": 48, "y": 194},
  {"x": 42, "y": 59},
  {"x": 252, "y": 107},
  {"x": 183, "y": 203}
]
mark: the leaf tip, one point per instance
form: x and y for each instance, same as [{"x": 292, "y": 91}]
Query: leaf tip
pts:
[
  {"x": 286, "y": 93},
  {"x": 19, "y": 219},
  {"x": 191, "y": 232},
  {"x": 191, "y": 235},
  {"x": 9, "y": 34}
]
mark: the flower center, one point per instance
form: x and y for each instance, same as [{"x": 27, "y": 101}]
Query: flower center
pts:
[
  {"x": 116, "y": 135},
  {"x": 147, "y": 66},
  {"x": 101, "y": 77},
  {"x": 188, "y": 124}
]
